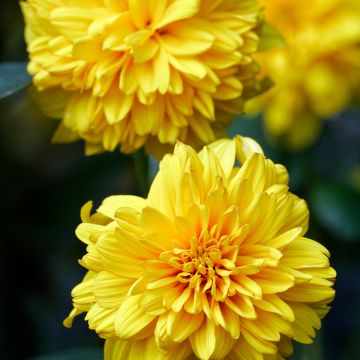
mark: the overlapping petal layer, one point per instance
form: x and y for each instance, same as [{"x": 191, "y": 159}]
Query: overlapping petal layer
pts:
[
  {"x": 133, "y": 72},
  {"x": 317, "y": 73},
  {"x": 214, "y": 264}
]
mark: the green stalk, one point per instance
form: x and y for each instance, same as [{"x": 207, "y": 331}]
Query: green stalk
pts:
[{"x": 142, "y": 171}]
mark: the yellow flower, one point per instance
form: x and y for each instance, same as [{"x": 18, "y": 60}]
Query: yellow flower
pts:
[
  {"x": 317, "y": 73},
  {"x": 130, "y": 72},
  {"x": 212, "y": 265}
]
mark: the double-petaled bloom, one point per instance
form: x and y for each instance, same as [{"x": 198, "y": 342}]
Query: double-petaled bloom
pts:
[
  {"x": 317, "y": 72},
  {"x": 135, "y": 72},
  {"x": 214, "y": 264}
]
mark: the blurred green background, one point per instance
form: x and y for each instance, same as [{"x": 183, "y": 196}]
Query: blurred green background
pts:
[{"x": 44, "y": 186}]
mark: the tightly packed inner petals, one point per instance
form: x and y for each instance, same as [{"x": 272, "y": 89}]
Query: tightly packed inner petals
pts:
[
  {"x": 142, "y": 72},
  {"x": 212, "y": 265}
]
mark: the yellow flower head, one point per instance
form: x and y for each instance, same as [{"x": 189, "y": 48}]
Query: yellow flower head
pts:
[
  {"x": 317, "y": 73},
  {"x": 130, "y": 72},
  {"x": 212, "y": 265}
]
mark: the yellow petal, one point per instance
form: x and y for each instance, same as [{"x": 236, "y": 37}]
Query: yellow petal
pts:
[
  {"x": 178, "y": 10},
  {"x": 306, "y": 321},
  {"x": 224, "y": 343},
  {"x": 245, "y": 147},
  {"x": 273, "y": 281},
  {"x": 117, "y": 349},
  {"x": 131, "y": 319},
  {"x": 181, "y": 325},
  {"x": 180, "y": 46},
  {"x": 308, "y": 293},
  {"x": 232, "y": 322},
  {"x": 101, "y": 320},
  {"x": 148, "y": 118},
  {"x": 112, "y": 203},
  {"x": 138, "y": 13},
  {"x": 224, "y": 150},
  {"x": 146, "y": 51},
  {"x": 242, "y": 350},
  {"x": 203, "y": 341},
  {"x": 109, "y": 289},
  {"x": 258, "y": 343},
  {"x": 273, "y": 303},
  {"x": 151, "y": 218}
]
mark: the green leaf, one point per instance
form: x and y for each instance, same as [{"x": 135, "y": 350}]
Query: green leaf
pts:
[
  {"x": 13, "y": 77},
  {"x": 337, "y": 208},
  {"x": 142, "y": 171},
  {"x": 74, "y": 354},
  {"x": 153, "y": 168},
  {"x": 264, "y": 85},
  {"x": 270, "y": 37}
]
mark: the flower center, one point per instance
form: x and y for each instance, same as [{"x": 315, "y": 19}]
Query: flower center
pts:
[
  {"x": 201, "y": 260},
  {"x": 199, "y": 265}
]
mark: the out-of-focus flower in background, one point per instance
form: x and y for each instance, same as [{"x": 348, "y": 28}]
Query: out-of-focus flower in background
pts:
[
  {"x": 135, "y": 72},
  {"x": 212, "y": 265},
  {"x": 317, "y": 72}
]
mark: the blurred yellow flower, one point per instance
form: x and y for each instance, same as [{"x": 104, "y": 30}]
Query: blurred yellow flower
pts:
[
  {"x": 135, "y": 72},
  {"x": 317, "y": 73},
  {"x": 212, "y": 265}
]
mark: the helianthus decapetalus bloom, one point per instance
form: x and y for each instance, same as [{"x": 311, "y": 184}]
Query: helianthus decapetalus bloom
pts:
[
  {"x": 212, "y": 265},
  {"x": 317, "y": 72},
  {"x": 130, "y": 72}
]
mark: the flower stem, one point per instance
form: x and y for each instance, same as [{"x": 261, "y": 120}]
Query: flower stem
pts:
[{"x": 142, "y": 171}]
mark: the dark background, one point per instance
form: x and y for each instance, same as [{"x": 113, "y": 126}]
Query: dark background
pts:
[{"x": 43, "y": 187}]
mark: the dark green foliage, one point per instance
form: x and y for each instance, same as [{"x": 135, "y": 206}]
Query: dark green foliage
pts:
[{"x": 13, "y": 77}]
